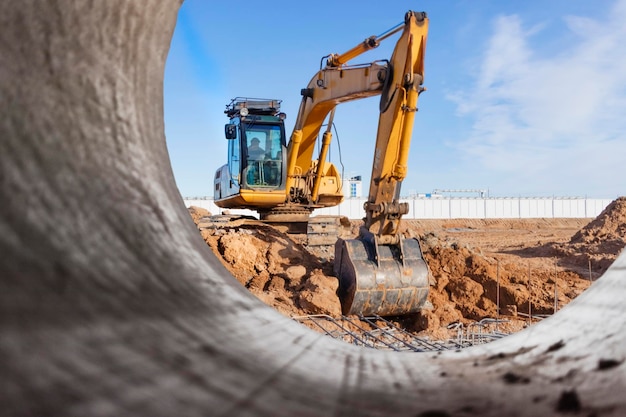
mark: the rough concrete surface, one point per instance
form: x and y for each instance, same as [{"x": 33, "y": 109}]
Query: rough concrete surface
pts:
[{"x": 111, "y": 304}]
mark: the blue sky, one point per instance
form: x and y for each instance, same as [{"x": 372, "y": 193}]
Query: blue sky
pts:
[{"x": 524, "y": 98}]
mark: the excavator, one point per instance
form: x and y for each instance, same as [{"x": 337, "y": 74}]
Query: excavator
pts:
[{"x": 380, "y": 272}]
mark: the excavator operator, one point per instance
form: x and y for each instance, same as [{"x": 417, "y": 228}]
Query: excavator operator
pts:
[{"x": 255, "y": 152}]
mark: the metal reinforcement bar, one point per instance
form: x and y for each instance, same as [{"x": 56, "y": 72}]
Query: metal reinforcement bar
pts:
[
  {"x": 373, "y": 332},
  {"x": 475, "y": 333},
  {"x": 379, "y": 333}
]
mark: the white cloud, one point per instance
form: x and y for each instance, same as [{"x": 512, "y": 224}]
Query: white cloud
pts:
[{"x": 560, "y": 117}]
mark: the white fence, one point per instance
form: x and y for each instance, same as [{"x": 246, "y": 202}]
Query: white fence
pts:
[{"x": 460, "y": 208}]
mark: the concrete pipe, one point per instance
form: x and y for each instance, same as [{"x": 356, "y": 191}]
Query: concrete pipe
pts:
[{"x": 112, "y": 305}]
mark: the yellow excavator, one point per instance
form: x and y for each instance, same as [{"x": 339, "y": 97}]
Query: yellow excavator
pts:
[{"x": 380, "y": 272}]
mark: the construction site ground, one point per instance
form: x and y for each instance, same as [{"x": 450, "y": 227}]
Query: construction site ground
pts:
[{"x": 517, "y": 271}]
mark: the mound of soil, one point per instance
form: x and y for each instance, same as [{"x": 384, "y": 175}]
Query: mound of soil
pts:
[
  {"x": 468, "y": 285},
  {"x": 524, "y": 267},
  {"x": 275, "y": 267},
  {"x": 599, "y": 243}
]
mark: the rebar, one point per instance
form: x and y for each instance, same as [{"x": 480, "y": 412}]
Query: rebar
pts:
[{"x": 379, "y": 333}]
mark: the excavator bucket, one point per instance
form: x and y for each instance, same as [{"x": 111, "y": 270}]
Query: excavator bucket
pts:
[{"x": 377, "y": 279}]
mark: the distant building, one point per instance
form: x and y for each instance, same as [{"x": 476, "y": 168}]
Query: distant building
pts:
[{"x": 353, "y": 187}]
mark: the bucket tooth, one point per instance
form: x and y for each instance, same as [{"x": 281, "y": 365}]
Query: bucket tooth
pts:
[{"x": 380, "y": 279}]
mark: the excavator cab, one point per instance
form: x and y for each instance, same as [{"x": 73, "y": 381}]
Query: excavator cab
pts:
[{"x": 256, "y": 154}]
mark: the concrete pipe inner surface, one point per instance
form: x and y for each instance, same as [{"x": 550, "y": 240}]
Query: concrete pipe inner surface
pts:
[{"x": 112, "y": 305}]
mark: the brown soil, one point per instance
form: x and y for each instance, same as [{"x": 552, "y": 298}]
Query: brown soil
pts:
[{"x": 524, "y": 264}]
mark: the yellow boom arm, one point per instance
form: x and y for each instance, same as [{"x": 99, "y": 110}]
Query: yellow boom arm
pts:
[
  {"x": 398, "y": 106},
  {"x": 380, "y": 272},
  {"x": 334, "y": 84}
]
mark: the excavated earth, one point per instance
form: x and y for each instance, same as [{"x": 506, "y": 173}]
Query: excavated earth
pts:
[{"x": 526, "y": 266}]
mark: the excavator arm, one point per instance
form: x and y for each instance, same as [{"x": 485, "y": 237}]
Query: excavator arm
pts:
[
  {"x": 398, "y": 106},
  {"x": 380, "y": 272}
]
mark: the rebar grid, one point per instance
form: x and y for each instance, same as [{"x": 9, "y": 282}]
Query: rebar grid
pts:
[{"x": 379, "y": 333}]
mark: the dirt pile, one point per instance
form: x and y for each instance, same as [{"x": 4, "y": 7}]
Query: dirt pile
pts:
[
  {"x": 599, "y": 243},
  {"x": 468, "y": 286},
  {"x": 467, "y": 282},
  {"x": 274, "y": 267},
  {"x": 198, "y": 213}
]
